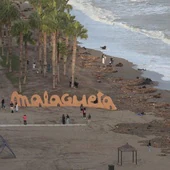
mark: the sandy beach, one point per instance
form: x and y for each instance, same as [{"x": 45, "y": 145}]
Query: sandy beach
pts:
[
  {"x": 46, "y": 144},
  {"x": 91, "y": 146}
]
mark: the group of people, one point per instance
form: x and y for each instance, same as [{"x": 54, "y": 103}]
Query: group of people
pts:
[
  {"x": 65, "y": 119},
  {"x": 13, "y": 107},
  {"x": 83, "y": 110},
  {"x": 104, "y": 60}
]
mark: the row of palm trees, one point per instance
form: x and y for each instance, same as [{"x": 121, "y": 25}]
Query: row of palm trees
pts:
[{"x": 50, "y": 20}]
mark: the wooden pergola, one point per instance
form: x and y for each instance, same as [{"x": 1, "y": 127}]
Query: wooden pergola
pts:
[{"x": 127, "y": 148}]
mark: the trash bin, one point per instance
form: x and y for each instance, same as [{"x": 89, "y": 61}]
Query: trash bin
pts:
[{"x": 111, "y": 167}]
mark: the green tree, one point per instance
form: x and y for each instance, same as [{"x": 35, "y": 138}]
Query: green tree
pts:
[
  {"x": 8, "y": 13},
  {"x": 27, "y": 38},
  {"x": 19, "y": 28},
  {"x": 78, "y": 31},
  {"x": 35, "y": 22},
  {"x": 55, "y": 9},
  {"x": 67, "y": 21}
]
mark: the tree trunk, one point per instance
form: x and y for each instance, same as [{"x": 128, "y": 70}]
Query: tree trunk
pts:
[
  {"x": 67, "y": 38},
  {"x": 45, "y": 53},
  {"x": 19, "y": 85},
  {"x": 7, "y": 46},
  {"x": 73, "y": 61},
  {"x": 10, "y": 49},
  {"x": 21, "y": 55},
  {"x": 53, "y": 58},
  {"x": 26, "y": 66},
  {"x": 64, "y": 63},
  {"x": 56, "y": 59},
  {"x": 64, "y": 68},
  {"x": 58, "y": 49},
  {"x": 20, "y": 61},
  {"x": 39, "y": 53},
  {"x": 58, "y": 73},
  {"x": 2, "y": 42},
  {"x": 7, "y": 57}
]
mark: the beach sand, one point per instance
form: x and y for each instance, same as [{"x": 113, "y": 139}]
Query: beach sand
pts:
[{"x": 91, "y": 147}]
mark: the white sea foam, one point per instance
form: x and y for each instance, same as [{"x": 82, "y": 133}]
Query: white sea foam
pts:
[
  {"x": 95, "y": 13},
  {"x": 122, "y": 39},
  {"x": 149, "y": 33},
  {"x": 138, "y": 0},
  {"x": 107, "y": 17}
]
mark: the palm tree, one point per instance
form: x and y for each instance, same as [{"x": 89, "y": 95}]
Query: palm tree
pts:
[
  {"x": 46, "y": 29},
  {"x": 67, "y": 21},
  {"x": 8, "y": 13},
  {"x": 78, "y": 30},
  {"x": 35, "y": 22},
  {"x": 27, "y": 38},
  {"x": 19, "y": 28},
  {"x": 2, "y": 39},
  {"x": 41, "y": 21},
  {"x": 53, "y": 39},
  {"x": 55, "y": 10},
  {"x": 63, "y": 51}
]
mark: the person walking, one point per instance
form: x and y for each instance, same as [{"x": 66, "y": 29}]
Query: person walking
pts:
[
  {"x": 63, "y": 119},
  {"x": 81, "y": 107},
  {"x": 84, "y": 112},
  {"x": 103, "y": 59},
  {"x": 111, "y": 61},
  {"x": 34, "y": 66},
  {"x": 67, "y": 119},
  {"x": 25, "y": 119},
  {"x": 16, "y": 107},
  {"x": 149, "y": 146},
  {"x": 12, "y": 107},
  {"x": 3, "y": 103}
]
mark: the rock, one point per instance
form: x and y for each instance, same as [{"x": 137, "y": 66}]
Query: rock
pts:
[
  {"x": 157, "y": 95},
  {"x": 146, "y": 81},
  {"x": 119, "y": 65}
]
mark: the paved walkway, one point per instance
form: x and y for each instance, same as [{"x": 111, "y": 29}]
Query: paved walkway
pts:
[{"x": 40, "y": 125}]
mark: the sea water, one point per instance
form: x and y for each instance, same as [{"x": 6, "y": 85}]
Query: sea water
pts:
[{"x": 137, "y": 30}]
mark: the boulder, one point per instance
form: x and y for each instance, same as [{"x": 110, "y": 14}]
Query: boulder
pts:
[{"x": 119, "y": 65}]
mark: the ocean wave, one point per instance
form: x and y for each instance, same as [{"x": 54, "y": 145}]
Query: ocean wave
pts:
[
  {"x": 149, "y": 33},
  {"x": 95, "y": 13},
  {"x": 138, "y": 0},
  {"x": 107, "y": 17}
]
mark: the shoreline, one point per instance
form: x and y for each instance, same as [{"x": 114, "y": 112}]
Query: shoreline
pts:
[
  {"x": 114, "y": 48},
  {"x": 154, "y": 76}
]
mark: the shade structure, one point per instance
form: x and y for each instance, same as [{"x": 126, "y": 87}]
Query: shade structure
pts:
[{"x": 127, "y": 148}]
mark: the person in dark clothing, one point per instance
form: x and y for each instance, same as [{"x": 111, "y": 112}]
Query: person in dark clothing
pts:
[
  {"x": 149, "y": 145},
  {"x": 81, "y": 107},
  {"x": 12, "y": 107},
  {"x": 63, "y": 119},
  {"x": 84, "y": 112},
  {"x": 111, "y": 61},
  {"x": 3, "y": 103}
]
